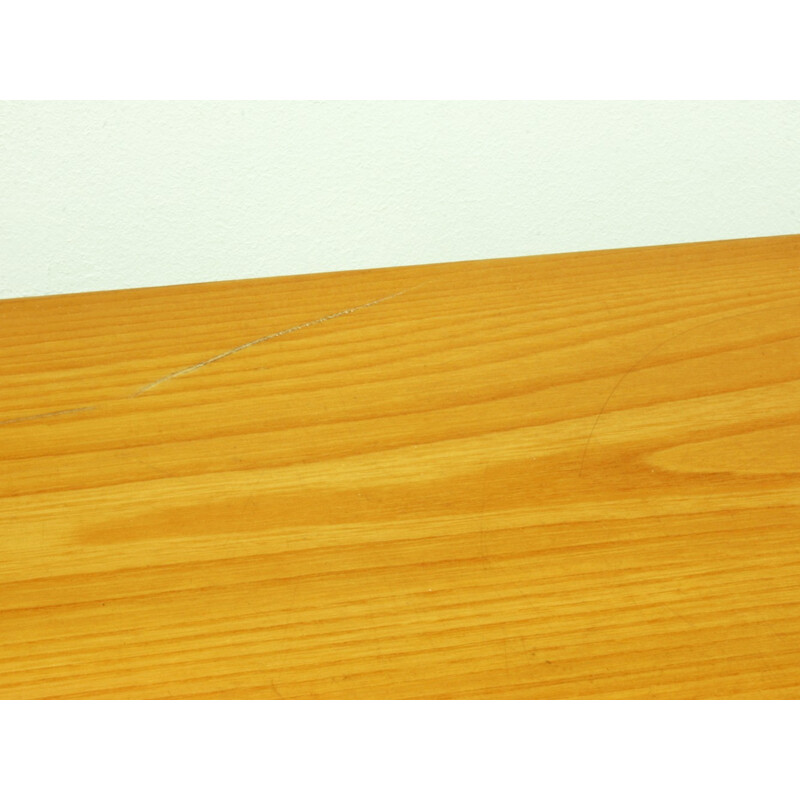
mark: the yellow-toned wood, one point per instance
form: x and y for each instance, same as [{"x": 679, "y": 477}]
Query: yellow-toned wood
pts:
[{"x": 562, "y": 476}]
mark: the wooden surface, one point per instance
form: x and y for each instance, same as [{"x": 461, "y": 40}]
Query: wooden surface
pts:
[{"x": 563, "y": 476}]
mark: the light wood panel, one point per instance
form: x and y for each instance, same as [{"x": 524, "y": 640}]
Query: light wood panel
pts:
[{"x": 563, "y": 476}]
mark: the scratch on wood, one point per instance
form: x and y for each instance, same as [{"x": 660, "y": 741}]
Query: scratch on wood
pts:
[
  {"x": 268, "y": 337},
  {"x": 220, "y": 356},
  {"x": 48, "y": 414},
  {"x": 641, "y": 360},
  {"x": 275, "y": 689}
]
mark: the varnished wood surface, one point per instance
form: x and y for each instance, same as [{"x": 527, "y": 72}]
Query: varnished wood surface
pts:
[{"x": 564, "y": 476}]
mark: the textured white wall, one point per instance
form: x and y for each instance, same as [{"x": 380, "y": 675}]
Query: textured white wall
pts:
[{"x": 113, "y": 195}]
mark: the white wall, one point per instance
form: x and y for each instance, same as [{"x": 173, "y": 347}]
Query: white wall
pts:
[{"x": 112, "y": 195}]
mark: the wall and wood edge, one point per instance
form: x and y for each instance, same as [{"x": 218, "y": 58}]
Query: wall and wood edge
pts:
[{"x": 560, "y": 476}]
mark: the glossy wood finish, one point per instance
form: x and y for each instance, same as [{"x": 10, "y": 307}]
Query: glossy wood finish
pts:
[{"x": 562, "y": 476}]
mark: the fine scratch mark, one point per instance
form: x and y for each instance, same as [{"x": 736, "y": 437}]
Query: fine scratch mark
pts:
[
  {"x": 227, "y": 353},
  {"x": 638, "y": 363},
  {"x": 275, "y": 689},
  {"x": 268, "y": 337},
  {"x": 48, "y": 414}
]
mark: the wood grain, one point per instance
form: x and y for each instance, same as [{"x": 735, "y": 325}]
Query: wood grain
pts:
[{"x": 563, "y": 476}]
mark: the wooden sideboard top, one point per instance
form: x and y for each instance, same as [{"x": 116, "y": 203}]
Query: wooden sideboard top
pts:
[{"x": 562, "y": 476}]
